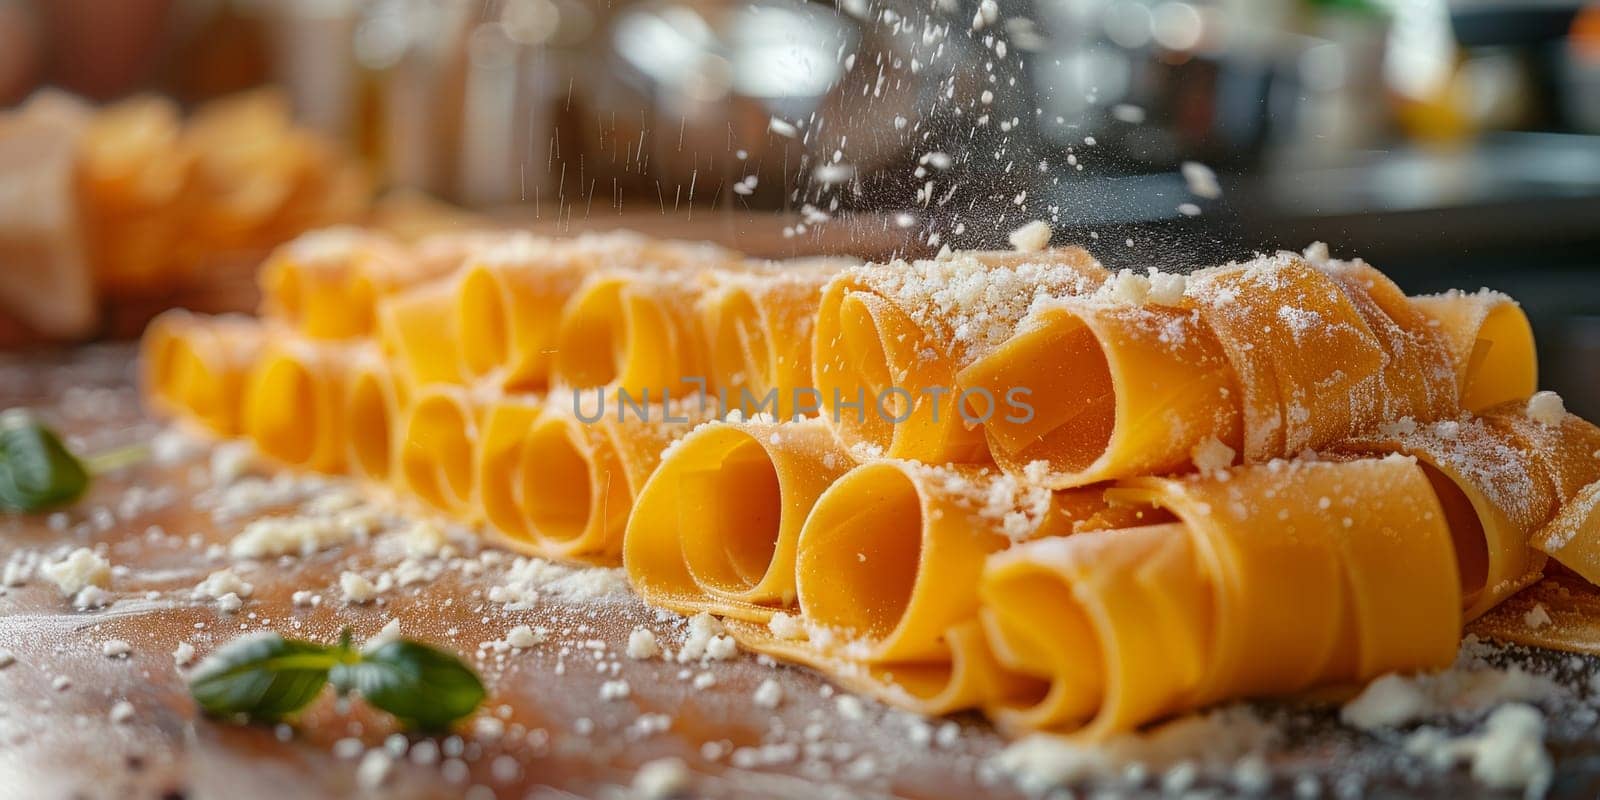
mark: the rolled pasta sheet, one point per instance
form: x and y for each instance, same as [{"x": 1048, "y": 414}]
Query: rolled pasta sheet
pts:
[
  {"x": 508, "y": 309},
  {"x": 1491, "y": 342},
  {"x": 326, "y": 284},
  {"x": 194, "y": 367},
  {"x": 1114, "y": 390},
  {"x": 374, "y": 407},
  {"x": 294, "y": 408},
  {"x": 579, "y": 468},
  {"x": 1274, "y": 578},
  {"x": 417, "y": 334},
  {"x": 1500, "y": 479},
  {"x": 1319, "y": 357},
  {"x": 890, "y": 556},
  {"x": 438, "y": 444},
  {"x": 634, "y": 331},
  {"x": 717, "y": 525},
  {"x": 758, "y": 329},
  {"x": 506, "y": 426},
  {"x": 891, "y": 339}
]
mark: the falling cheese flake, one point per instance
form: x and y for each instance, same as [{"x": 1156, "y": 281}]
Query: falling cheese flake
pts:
[{"x": 1032, "y": 237}]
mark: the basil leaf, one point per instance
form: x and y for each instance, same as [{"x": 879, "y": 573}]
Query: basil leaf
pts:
[
  {"x": 37, "y": 471},
  {"x": 263, "y": 677},
  {"x": 417, "y": 683}
]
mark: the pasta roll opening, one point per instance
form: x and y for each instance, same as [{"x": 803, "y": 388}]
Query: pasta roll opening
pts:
[
  {"x": 594, "y": 330},
  {"x": 281, "y": 410},
  {"x": 1070, "y": 389},
  {"x": 1466, "y": 531},
  {"x": 369, "y": 415},
  {"x": 740, "y": 354},
  {"x": 558, "y": 481},
  {"x": 1504, "y": 364},
  {"x": 485, "y": 330},
  {"x": 733, "y": 501},
  {"x": 436, "y": 459},
  {"x": 862, "y": 547}
]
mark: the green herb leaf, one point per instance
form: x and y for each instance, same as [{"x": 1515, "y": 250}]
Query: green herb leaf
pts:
[
  {"x": 37, "y": 471},
  {"x": 417, "y": 683},
  {"x": 264, "y": 677}
]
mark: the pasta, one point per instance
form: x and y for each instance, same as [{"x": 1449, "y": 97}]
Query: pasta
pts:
[
  {"x": 1252, "y": 481},
  {"x": 1267, "y": 359},
  {"x": 437, "y": 448},
  {"x": 508, "y": 308},
  {"x": 372, "y": 414},
  {"x": 327, "y": 284},
  {"x": 567, "y": 485},
  {"x": 1491, "y": 343},
  {"x": 294, "y": 403},
  {"x": 1126, "y": 626},
  {"x": 416, "y": 331},
  {"x": 194, "y": 367},
  {"x": 890, "y": 340},
  {"x": 717, "y": 525},
  {"x": 632, "y": 331},
  {"x": 758, "y": 331}
]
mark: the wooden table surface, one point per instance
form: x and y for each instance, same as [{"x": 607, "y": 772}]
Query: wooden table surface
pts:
[{"x": 548, "y": 734}]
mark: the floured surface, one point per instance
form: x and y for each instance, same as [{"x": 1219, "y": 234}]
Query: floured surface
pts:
[{"x": 573, "y": 713}]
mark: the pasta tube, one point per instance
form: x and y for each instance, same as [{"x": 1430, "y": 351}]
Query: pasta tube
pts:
[
  {"x": 758, "y": 328},
  {"x": 1491, "y": 343},
  {"x": 576, "y": 471},
  {"x": 716, "y": 527},
  {"x": 417, "y": 333},
  {"x": 373, "y": 411},
  {"x": 1340, "y": 571},
  {"x": 891, "y": 338},
  {"x": 508, "y": 309},
  {"x": 294, "y": 403},
  {"x": 326, "y": 284},
  {"x": 194, "y": 367},
  {"x": 437, "y": 446},
  {"x": 633, "y": 331}
]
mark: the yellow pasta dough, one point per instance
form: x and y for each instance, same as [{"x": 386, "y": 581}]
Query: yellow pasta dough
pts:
[
  {"x": 294, "y": 402},
  {"x": 890, "y": 555},
  {"x": 416, "y": 331},
  {"x": 758, "y": 329},
  {"x": 575, "y": 471},
  {"x": 437, "y": 446},
  {"x": 326, "y": 284},
  {"x": 373, "y": 408},
  {"x": 1501, "y": 478},
  {"x": 508, "y": 309},
  {"x": 1274, "y": 578},
  {"x": 633, "y": 331},
  {"x": 194, "y": 367},
  {"x": 1491, "y": 342},
  {"x": 891, "y": 338},
  {"x": 716, "y": 527}
]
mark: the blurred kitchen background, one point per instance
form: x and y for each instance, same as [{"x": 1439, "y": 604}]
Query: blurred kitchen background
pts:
[{"x": 1453, "y": 143}]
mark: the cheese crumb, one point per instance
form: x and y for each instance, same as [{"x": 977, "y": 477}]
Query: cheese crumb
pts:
[
  {"x": 356, "y": 589},
  {"x": 374, "y": 770},
  {"x": 1167, "y": 289},
  {"x": 642, "y": 644},
  {"x": 115, "y": 648},
  {"x": 661, "y": 779},
  {"x": 229, "y": 603},
  {"x": 769, "y": 694},
  {"x": 1211, "y": 455},
  {"x": 183, "y": 654},
  {"x": 1128, "y": 287},
  {"x": 390, "y": 632},
  {"x": 786, "y": 627},
  {"x": 615, "y": 690},
  {"x": 1547, "y": 408},
  {"x": 220, "y": 583},
  {"x": 703, "y": 630},
  {"x": 1507, "y": 754},
  {"x": 90, "y": 597},
  {"x": 523, "y": 637},
  {"x": 850, "y": 707},
  {"x": 1032, "y": 237},
  {"x": 81, "y": 569},
  {"x": 1537, "y": 617},
  {"x": 122, "y": 712}
]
